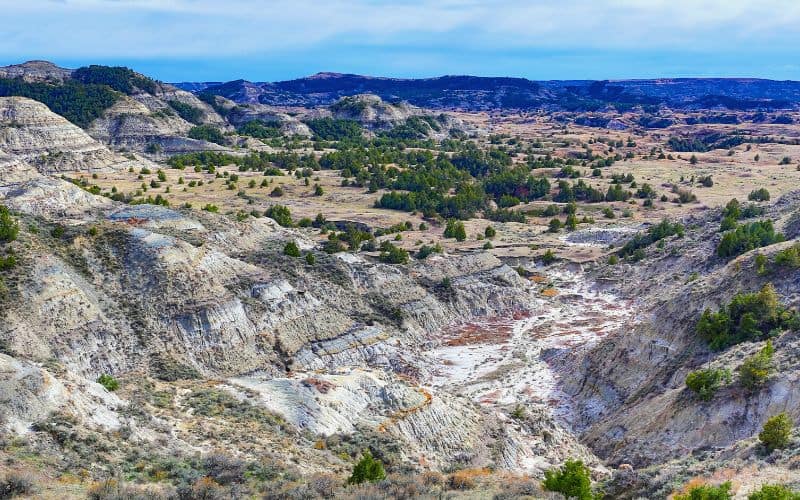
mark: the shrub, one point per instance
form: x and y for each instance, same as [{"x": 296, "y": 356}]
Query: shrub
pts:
[
  {"x": 727, "y": 224},
  {"x": 554, "y": 225},
  {"x": 330, "y": 129},
  {"x": 776, "y": 432},
  {"x": 462, "y": 480},
  {"x": 705, "y": 383},
  {"x": 573, "y": 480},
  {"x": 759, "y": 195},
  {"x": 9, "y": 228},
  {"x": 747, "y": 237},
  {"x": 706, "y": 181},
  {"x": 187, "y": 111},
  {"x": 78, "y": 102},
  {"x": 749, "y": 316},
  {"x": 760, "y": 262},
  {"x": 367, "y": 469},
  {"x": 318, "y": 191},
  {"x": 109, "y": 382},
  {"x": 291, "y": 249},
  {"x": 310, "y": 259},
  {"x": 393, "y": 255},
  {"x": 756, "y": 369},
  {"x": 572, "y": 222},
  {"x": 15, "y": 484},
  {"x": 166, "y": 368},
  {"x": 119, "y": 78},
  {"x": 489, "y": 232},
  {"x": 426, "y": 250},
  {"x": 277, "y": 192},
  {"x": 455, "y": 229},
  {"x": 684, "y": 195},
  {"x": 732, "y": 209},
  {"x": 207, "y": 133},
  {"x": 548, "y": 257},
  {"x": 708, "y": 492},
  {"x": 773, "y": 492},
  {"x": 789, "y": 257},
  {"x": 261, "y": 129},
  {"x": 280, "y": 214},
  {"x": 663, "y": 229}
]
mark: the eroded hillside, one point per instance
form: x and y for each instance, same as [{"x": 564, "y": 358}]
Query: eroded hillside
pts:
[{"x": 216, "y": 300}]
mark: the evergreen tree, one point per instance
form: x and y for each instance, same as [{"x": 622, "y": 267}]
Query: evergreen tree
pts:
[{"x": 367, "y": 469}]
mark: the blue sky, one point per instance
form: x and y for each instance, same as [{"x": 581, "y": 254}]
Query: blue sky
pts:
[{"x": 204, "y": 40}]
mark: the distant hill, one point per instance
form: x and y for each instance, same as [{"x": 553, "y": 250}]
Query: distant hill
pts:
[{"x": 486, "y": 93}]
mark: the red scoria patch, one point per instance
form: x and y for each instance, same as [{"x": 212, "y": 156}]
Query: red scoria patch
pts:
[
  {"x": 323, "y": 386},
  {"x": 489, "y": 331}
]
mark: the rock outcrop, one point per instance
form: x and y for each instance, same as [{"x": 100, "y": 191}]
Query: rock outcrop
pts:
[{"x": 31, "y": 132}]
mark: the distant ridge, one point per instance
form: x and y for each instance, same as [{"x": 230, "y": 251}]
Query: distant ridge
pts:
[{"x": 489, "y": 93}]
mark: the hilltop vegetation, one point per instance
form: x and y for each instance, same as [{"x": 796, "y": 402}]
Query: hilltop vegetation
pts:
[{"x": 78, "y": 102}]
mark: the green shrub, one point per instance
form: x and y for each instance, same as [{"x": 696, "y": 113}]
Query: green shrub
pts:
[
  {"x": 776, "y": 432},
  {"x": 755, "y": 370},
  {"x": 392, "y": 254},
  {"x": 455, "y": 229},
  {"x": 705, "y": 383},
  {"x": 573, "y": 480},
  {"x": 109, "y": 382},
  {"x": 9, "y": 228},
  {"x": 331, "y": 129},
  {"x": 749, "y": 316},
  {"x": 187, "y": 111},
  {"x": 759, "y": 195},
  {"x": 367, "y": 469},
  {"x": 489, "y": 232},
  {"x": 727, "y": 224},
  {"x": 78, "y": 102},
  {"x": 548, "y": 257},
  {"x": 747, "y": 237},
  {"x": 760, "y": 262},
  {"x": 708, "y": 492},
  {"x": 660, "y": 231},
  {"x": 426, "y": 250},
  {"x": 261, "y": 129},
  {"x": 554, "y": 225},
  {"x": 207, "y": 133},
  {"x": 773, "y": 492},
  {"x": 280, "y": 214},
  {"x": 788, "y": 257},
  {"x": 119, "y": 78},
  {"x": 291, "y": 249},
  {"x": 310, "y": 259}
]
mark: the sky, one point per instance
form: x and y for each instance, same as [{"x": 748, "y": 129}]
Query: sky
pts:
[{"x": 220, "y": 40}]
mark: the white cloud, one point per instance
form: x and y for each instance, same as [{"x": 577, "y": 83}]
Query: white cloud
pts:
[{"x": 214, "y": 28}]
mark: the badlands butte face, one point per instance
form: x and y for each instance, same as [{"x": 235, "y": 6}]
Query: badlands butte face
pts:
[{"x": 353, "y": 287}]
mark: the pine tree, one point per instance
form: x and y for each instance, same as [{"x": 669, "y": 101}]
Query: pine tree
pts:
[{"x": 367, "y": 469}]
